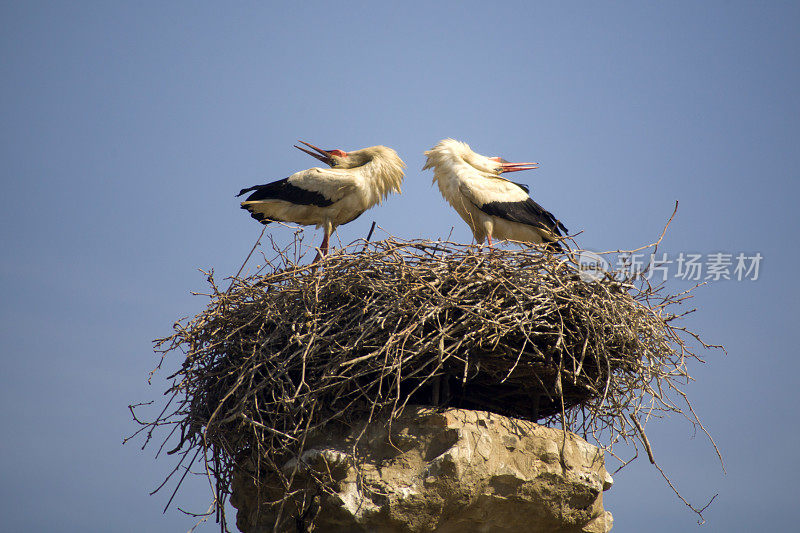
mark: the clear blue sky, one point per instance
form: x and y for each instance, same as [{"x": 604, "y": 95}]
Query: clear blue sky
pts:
[{"x": 128, "y": 128}]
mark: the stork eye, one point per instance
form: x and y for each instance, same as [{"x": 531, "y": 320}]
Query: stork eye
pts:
[{"x": 338, "y": 153}]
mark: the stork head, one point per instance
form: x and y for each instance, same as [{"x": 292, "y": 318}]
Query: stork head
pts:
[
  {"x": 381, "y": 163},
  {"x": 450, "y": 151},
  {"x": 334, "y": 158}
]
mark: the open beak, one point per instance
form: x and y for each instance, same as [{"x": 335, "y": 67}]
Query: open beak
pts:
[
  {"x": 514, "y": 167},
  {"x": 323, "y": 155},
  {"x": 505, "y": 166}
]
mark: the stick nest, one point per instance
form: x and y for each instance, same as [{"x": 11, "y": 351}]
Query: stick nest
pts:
[{"x": 290, "y": 350}]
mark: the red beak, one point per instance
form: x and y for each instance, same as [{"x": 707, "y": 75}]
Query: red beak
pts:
[
  {"x": 323, "y": 155},
  {"x": 505, "y": 166}
]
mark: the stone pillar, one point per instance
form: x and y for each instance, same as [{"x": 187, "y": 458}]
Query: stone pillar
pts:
[{"x": 442, "y": 470}]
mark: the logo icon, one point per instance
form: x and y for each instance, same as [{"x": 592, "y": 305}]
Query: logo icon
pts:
[{"x": 592, "y": 266}]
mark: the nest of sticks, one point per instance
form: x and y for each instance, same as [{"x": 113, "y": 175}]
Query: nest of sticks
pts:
[{"x": 293, "y": 349}]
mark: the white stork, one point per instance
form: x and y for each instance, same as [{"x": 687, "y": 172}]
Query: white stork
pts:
[
  {"x": 328, "y": 197},
  {"x": 490, "y": 204}
]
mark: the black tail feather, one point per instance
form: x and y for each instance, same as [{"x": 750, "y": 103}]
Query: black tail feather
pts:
[{"x": 248, "y": 189}]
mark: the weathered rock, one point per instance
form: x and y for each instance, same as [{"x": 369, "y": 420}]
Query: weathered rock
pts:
[{"x": 448, "y": 470}]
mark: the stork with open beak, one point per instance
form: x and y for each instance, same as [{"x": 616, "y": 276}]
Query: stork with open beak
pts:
[
  {"x": 328, "y": 197},
  {"x": 490, "y": 204}
]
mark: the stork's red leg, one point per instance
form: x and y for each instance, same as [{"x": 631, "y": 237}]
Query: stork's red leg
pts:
[
  {"x": 324, "y": 246},
  {"x": 323, "y": 250},
  {"x": 488, "y": 236}
]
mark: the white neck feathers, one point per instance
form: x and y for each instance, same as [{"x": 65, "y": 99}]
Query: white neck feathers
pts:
[{"x": 384, "y": 171}]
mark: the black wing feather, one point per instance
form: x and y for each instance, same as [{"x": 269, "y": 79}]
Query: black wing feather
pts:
[
  {"x": 527, "y": 212},
  {"x": 283, "y": 190}
]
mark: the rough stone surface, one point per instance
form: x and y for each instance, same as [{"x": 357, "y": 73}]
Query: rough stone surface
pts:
[{"x": 450, "y": 470}]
